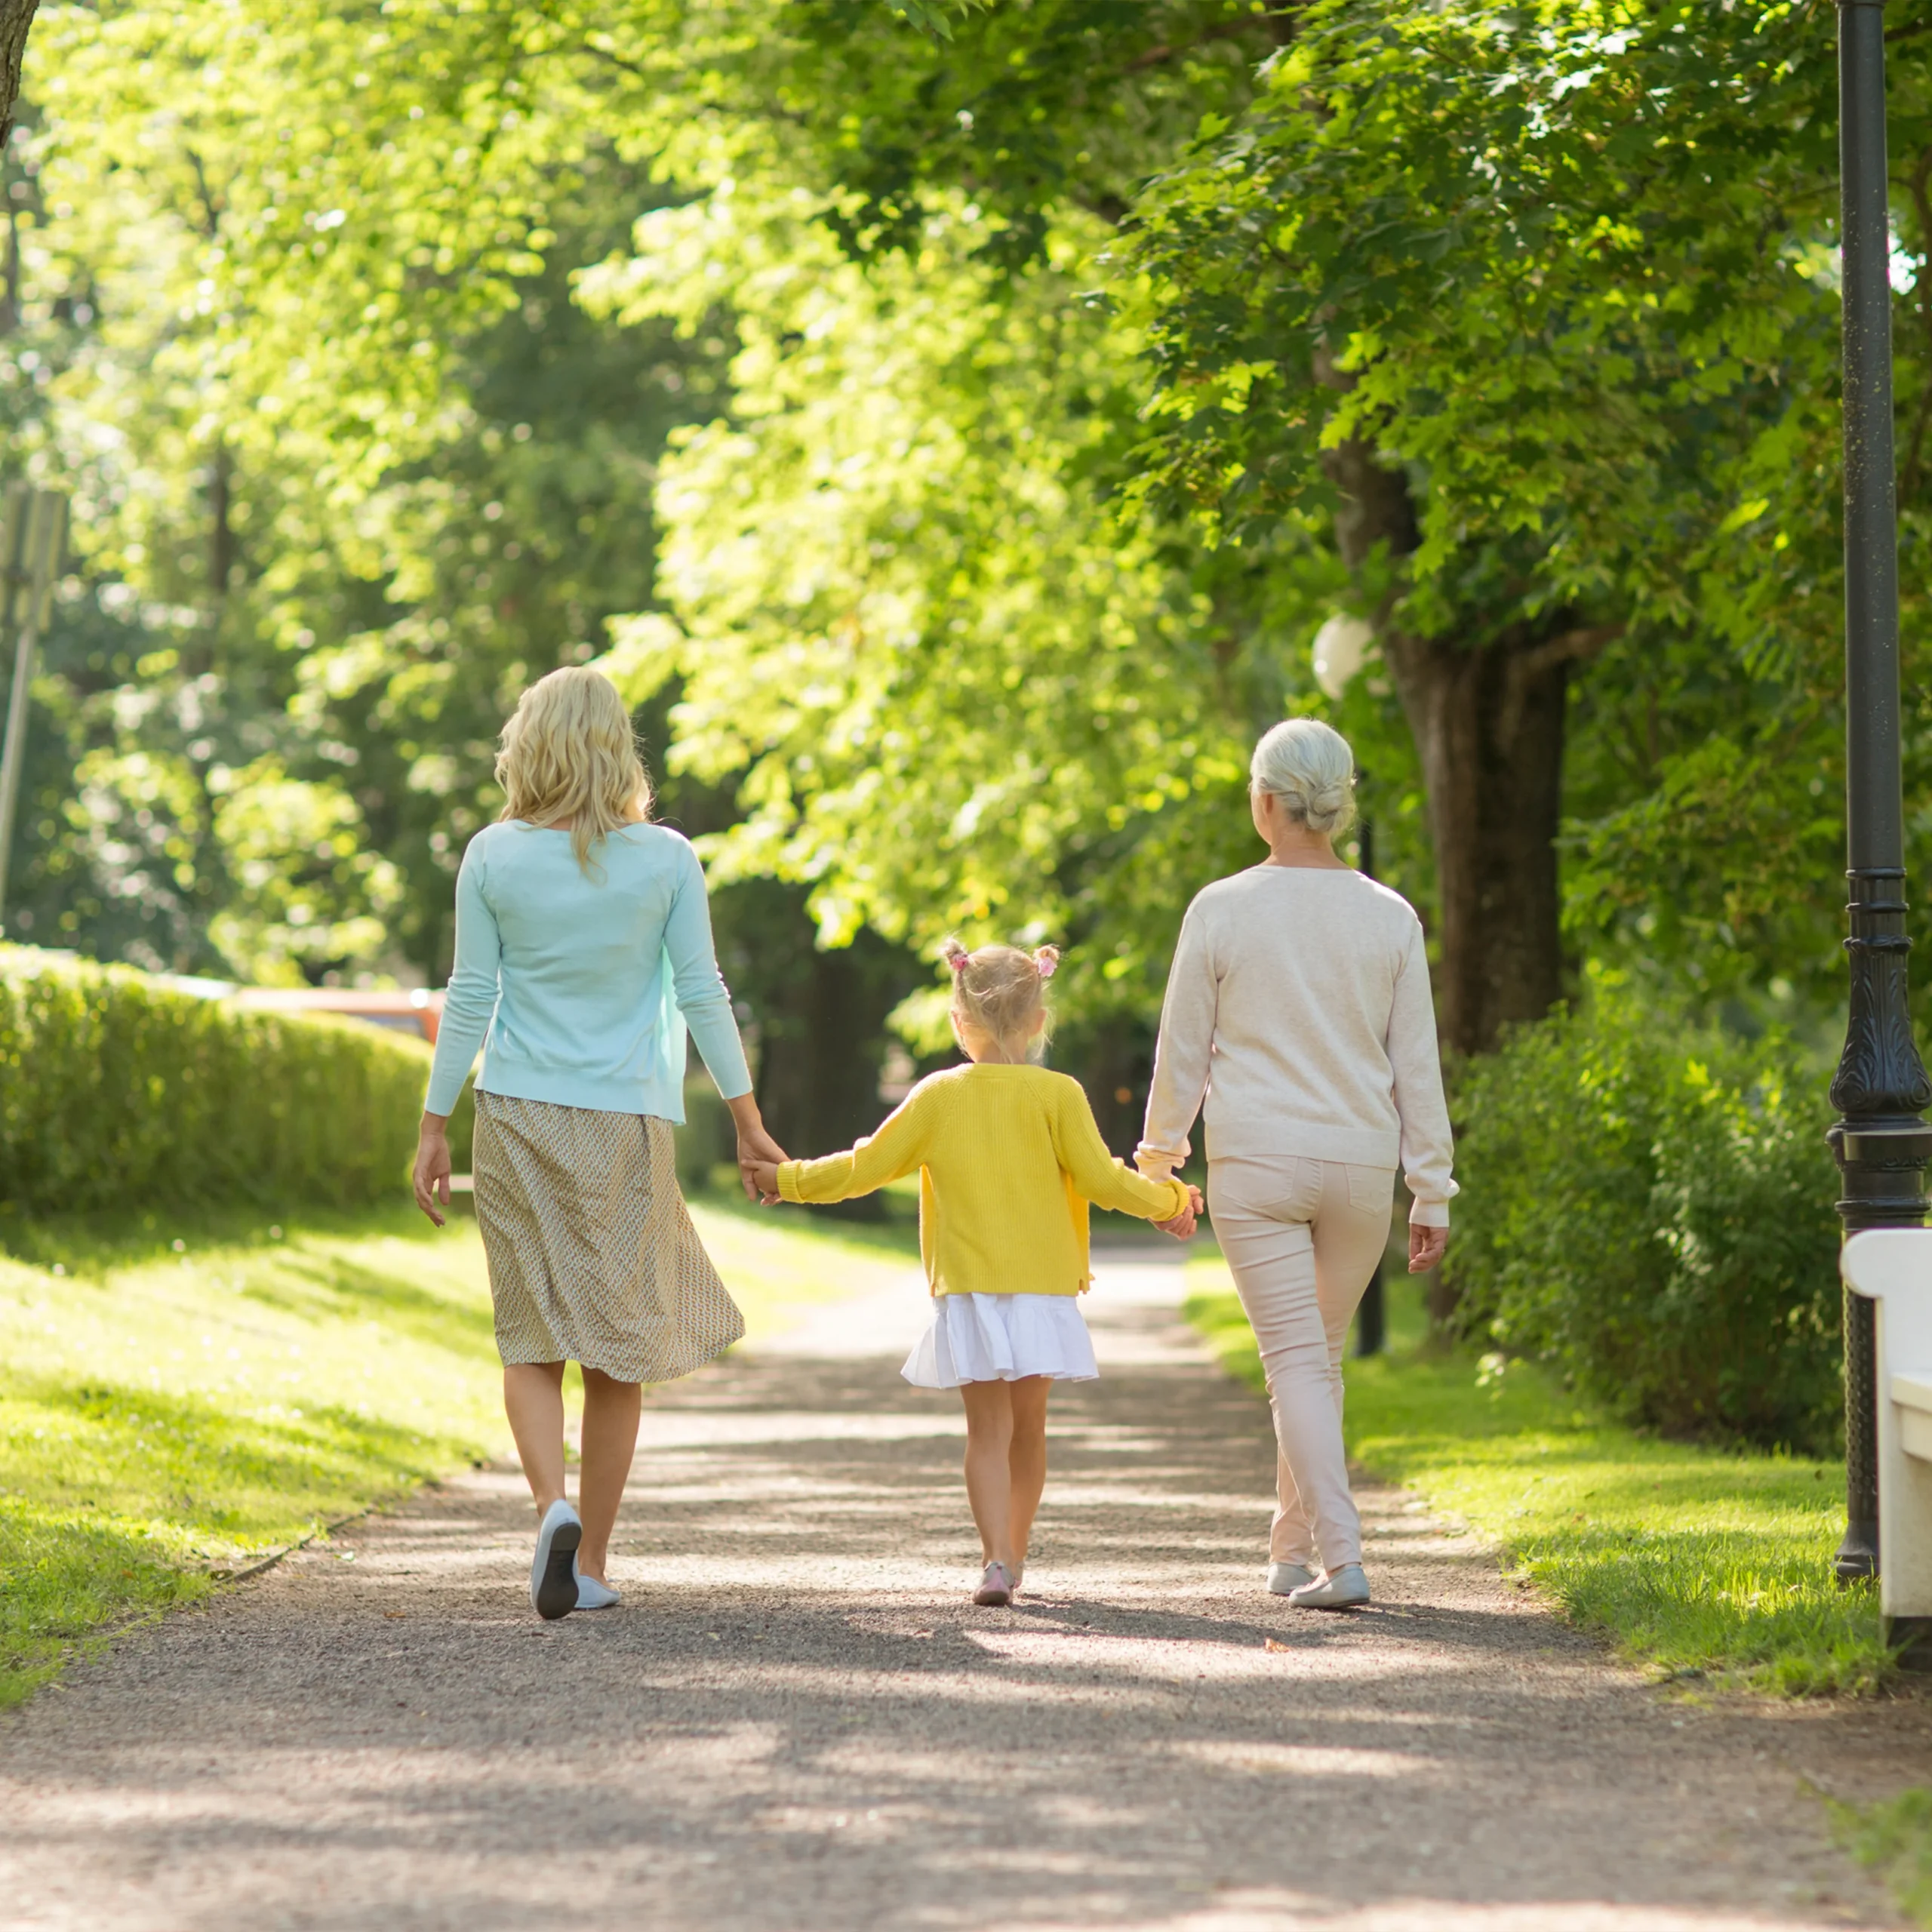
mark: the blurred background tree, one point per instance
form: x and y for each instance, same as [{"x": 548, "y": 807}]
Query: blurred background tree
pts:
[{"x": 952, "y": 424}]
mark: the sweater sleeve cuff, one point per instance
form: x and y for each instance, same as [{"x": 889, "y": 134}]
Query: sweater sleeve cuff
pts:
[
  {"x": 1429, "y": 1214},
  {"x": 1157, "y": 1163},
  {"x": 788, "y": 1180}
]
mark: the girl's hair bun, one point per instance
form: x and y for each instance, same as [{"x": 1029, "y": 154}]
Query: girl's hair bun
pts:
[{"x": 1001, "y": 992}]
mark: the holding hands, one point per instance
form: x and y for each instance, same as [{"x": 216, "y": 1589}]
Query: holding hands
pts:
[
  {"x": 1181, "y": 1226},
  {"x": 759, "y": 1154},
  {"x": 761, "y": 1184}
]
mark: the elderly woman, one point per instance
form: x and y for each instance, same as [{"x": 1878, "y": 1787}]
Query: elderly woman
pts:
[
  {"x": 1299, "y": 1006},
  {"x": 582, "y": 951}
]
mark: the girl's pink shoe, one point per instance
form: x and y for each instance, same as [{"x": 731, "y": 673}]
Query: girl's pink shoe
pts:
[{"x": 996, "y": 1586}]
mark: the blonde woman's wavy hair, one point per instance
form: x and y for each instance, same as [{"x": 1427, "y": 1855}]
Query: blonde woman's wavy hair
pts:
[{"x": 568, "y": 752}]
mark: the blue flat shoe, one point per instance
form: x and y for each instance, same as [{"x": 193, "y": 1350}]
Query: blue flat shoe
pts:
[{"x": 591, "y": 1595}]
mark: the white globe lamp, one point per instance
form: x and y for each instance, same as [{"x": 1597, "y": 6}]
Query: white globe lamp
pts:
[{"x": 1341, "y": 647}]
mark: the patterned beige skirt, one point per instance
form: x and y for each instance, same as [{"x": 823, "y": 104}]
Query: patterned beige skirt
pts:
[{"x": 592, "y": 1257}]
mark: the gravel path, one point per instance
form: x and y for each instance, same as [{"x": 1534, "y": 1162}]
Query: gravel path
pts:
[{"x": 796, "y": 1721}]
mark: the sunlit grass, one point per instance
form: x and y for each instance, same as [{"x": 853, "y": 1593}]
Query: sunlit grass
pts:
[
  {"x": 167, "y": 1415},
  {"x": 1697, "y": 1562},
  {"x": 178, "y": 1399}
]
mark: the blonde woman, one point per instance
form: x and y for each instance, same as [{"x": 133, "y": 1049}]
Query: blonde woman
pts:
[
  {"x": 1298, "y": 1008},
  {"x": 582, "y": 952}
]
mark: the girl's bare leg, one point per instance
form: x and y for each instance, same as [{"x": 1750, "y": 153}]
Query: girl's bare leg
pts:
[
  {"x": 1026, "y": 1459},
  {"x": 609, "y": 1440},
  {"x": 533, "y": 1400},
  {"x": 989, "y": 1470}
]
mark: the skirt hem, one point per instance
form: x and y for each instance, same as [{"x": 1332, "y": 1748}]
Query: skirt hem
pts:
[
  {"x": 646, "y": 1373},
  {"x": 1002, "y": 1338}
]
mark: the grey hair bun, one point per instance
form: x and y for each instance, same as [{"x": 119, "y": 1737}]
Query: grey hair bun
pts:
[{"x": 1310, "y": 768}]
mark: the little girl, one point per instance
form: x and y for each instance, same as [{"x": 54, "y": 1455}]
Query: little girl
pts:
[{"x": 1008, "y": 1158}]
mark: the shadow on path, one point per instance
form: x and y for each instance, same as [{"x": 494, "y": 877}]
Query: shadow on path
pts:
[{"x": 796, "y": 1720}]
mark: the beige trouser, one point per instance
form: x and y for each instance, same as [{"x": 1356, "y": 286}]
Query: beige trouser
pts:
[{"x": 1303, "y": 1237}]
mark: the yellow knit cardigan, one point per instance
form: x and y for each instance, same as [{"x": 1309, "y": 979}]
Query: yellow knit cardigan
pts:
[{"x": 1008, "y": 1158}]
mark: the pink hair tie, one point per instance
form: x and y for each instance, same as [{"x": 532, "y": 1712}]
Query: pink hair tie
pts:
[
  {"x": 957, "y": 961},
  {"x": 1046, "y": 967}
]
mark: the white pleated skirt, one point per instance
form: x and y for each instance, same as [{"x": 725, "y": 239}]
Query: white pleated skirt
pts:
[{"x": 1000, "y": 1338}]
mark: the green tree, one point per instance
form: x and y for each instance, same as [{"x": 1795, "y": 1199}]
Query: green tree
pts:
[
  {"x": 1535, "y": 303},
  {"x": 1511, "y": 328},
  {"x": 268, "y": 724},
  {"x": 1526, "y": 315},
  {"x": 955, "y": 694},
  {"x": 349, "y": 467}
]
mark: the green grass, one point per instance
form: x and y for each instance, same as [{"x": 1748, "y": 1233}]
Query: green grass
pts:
[
  {"x": 179, "y": 1399},
  {"x": 1698, "y": 1563},
  {"x": 1896, "y": 1837}
]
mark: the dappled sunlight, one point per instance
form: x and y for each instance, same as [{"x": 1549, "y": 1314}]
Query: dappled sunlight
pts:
[
  {"x": 1306, "y": 1761},
  {"x": 1705, "y": 1563},
  {"x": 795, "y": 1702}
]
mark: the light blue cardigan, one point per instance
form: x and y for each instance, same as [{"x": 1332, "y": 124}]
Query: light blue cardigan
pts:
[{"x": 584, "y": 982}]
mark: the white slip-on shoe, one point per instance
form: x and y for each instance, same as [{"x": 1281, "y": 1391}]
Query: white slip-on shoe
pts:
[
  {"x": 1284, "y": 1579},
  {"x": 591, "y": 1595},
  {"x": 553, "y": 1569},
  {"x": 1345, "y": 1589}
]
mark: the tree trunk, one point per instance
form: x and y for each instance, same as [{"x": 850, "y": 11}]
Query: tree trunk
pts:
[
  {"x": 1486, "y": 714},
  {"x": 818, "y": 1072},
  {"x": 15, "y": 16},
  {"x": 1488, "y": 727}
]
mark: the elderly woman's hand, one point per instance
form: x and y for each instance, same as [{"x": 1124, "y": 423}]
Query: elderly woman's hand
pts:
[
  {"x": 1426, "y": 1247},
  {"x": 1182, "y": 1226}
]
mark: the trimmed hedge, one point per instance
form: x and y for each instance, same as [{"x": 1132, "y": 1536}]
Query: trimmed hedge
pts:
[
  {"x": 117, "y": 1091},
  {"x": 1647, "y": 1206}
]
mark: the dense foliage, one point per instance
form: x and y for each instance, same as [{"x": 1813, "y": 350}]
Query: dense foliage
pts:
[
  {"x": 1646, "y": 1205},
  {"x": 939, "y": 412},
  {"x": 955, "y": 695},
  {"x": 117, "y": 1092}
]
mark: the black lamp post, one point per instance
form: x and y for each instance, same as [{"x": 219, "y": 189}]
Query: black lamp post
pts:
[
  {"x": 1371, "y": 1314},
  {"x": 1881, "y": 1141}
]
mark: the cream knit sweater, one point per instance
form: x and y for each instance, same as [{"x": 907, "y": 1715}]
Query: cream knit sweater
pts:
[{"x": 1299, "y": 1006}]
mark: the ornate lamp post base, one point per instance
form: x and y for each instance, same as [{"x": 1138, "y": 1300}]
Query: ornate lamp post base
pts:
[{"x": 1882, "y": 1147}]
